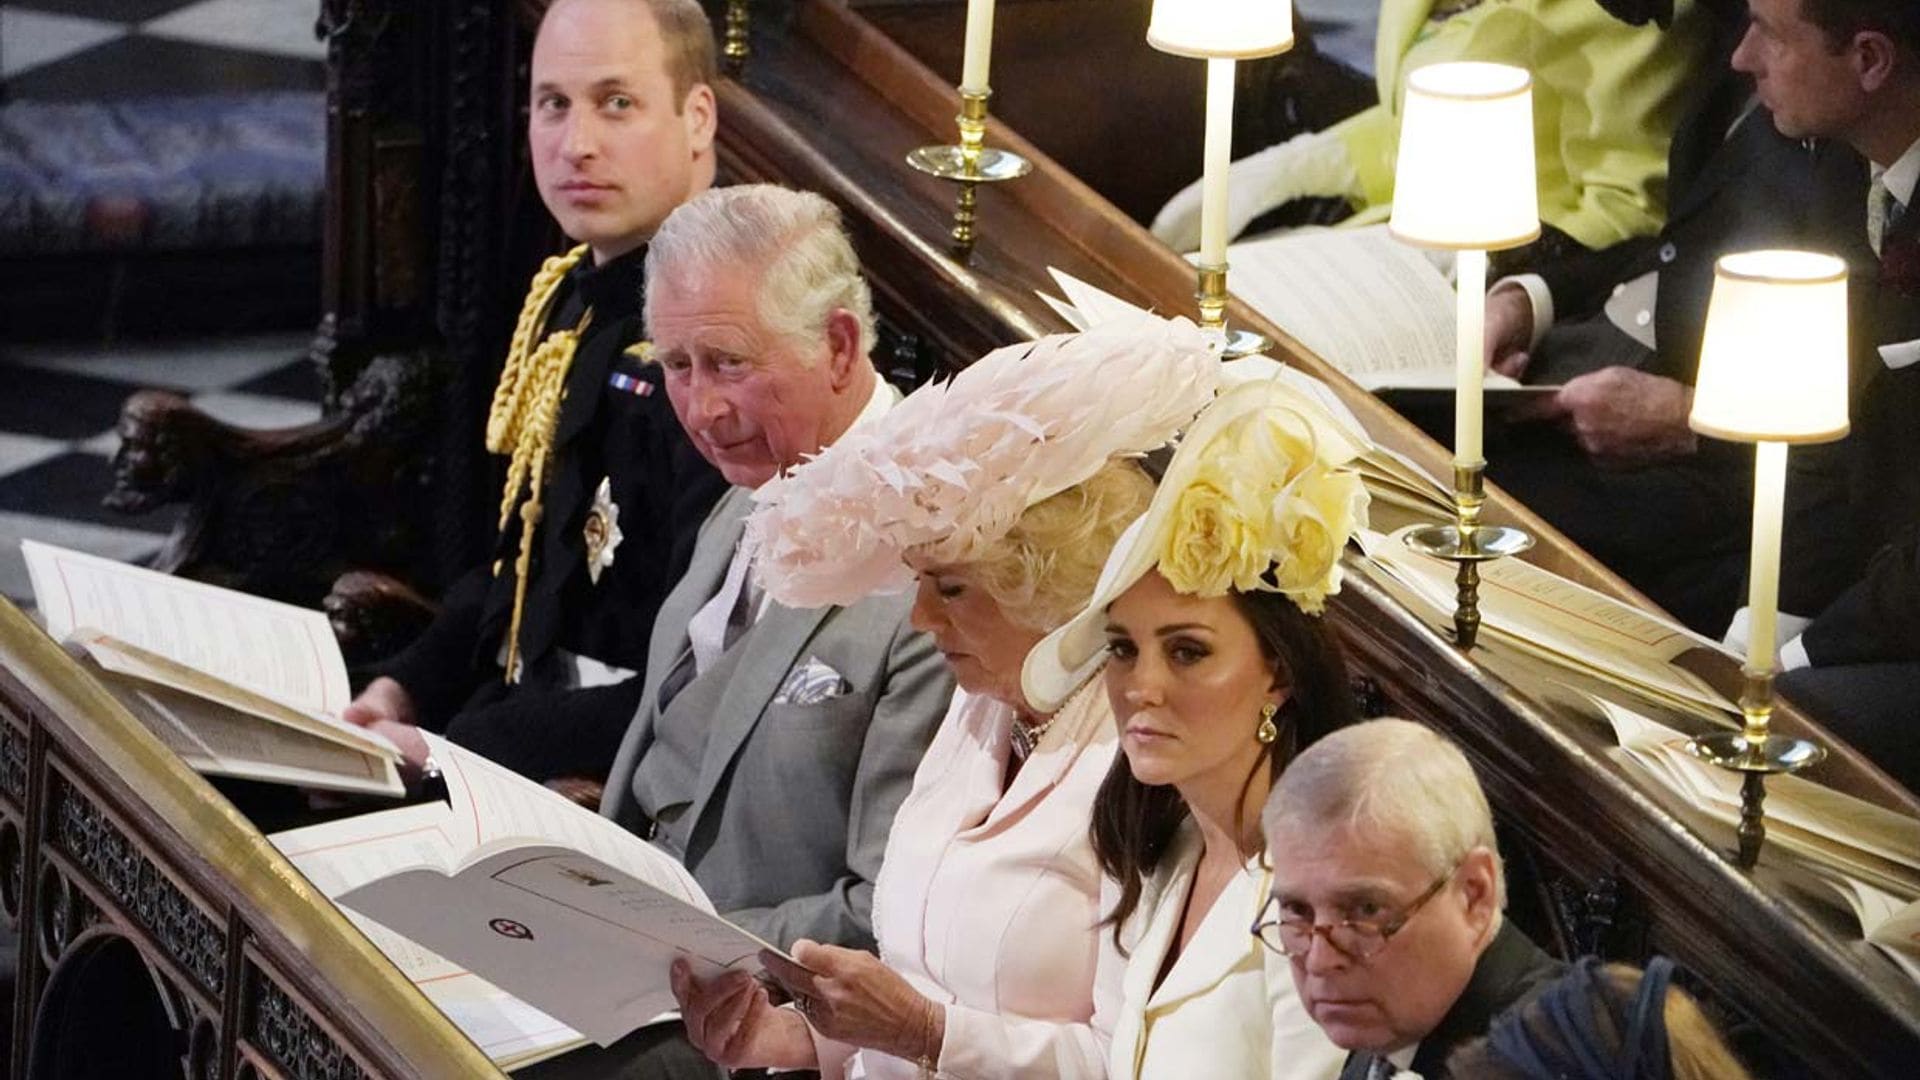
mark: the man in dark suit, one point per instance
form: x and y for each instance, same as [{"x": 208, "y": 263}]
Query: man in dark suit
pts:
[
  {"x": 1849, "y": 70},
  {"x": 1619, "y": 330},
  {"x": 537, "y": 659},
  {"x": 1387, "y": 896}
]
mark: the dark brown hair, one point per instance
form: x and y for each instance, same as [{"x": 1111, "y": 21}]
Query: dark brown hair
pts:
[
  {"x": 1840, "y": 20},
  {"x": 1134, "y": 823}
]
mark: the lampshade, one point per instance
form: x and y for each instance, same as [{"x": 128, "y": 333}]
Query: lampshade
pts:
[
  {"x": 1773, "y": 359},
  {"x": 1229, "y": 29},
  {"x": 1465, "y": 178}
]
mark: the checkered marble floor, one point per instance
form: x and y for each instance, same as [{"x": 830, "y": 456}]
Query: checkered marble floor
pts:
[
  {"x": 57, "y": 416},
  {"x": 59, "y": 403},
  {"x": 98, "y": 50}
]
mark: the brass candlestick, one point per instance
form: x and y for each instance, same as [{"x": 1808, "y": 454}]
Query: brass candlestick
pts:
[
  {"x": 1756, "y": 753},
  {"x": 1468, "y": 544},
  {"x": 969, "y": 164},
  {"x": 1212, "y": 296},
  {"x": 736, "y": 48}
]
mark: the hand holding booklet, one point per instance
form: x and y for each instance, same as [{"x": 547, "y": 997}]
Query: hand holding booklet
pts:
[
  {"x": 237, "y": 685},
  {"x": 562, "y": 923}
]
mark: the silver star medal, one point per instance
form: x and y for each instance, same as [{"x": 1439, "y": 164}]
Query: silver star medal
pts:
[{"x": 602, "y": 530}]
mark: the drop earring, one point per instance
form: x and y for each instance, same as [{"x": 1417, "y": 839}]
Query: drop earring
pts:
[{"x": 1268, "y": 730}]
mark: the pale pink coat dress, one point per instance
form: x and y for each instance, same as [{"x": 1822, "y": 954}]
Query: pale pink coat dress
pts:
[{"x": 987, "y": 903}]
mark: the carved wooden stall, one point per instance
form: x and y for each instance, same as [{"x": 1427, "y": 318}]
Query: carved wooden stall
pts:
[
  {"x": 432, "y": 229},
  {"x": 160, "y": 935},
  {"x": 1601, "y": 861}
]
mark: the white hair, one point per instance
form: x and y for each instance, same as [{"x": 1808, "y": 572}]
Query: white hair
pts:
[
  {"x": 794, "y": 238},
  {"x": 1389, "y": 778}
]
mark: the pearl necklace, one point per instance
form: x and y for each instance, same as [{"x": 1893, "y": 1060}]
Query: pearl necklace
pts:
[{"x": 1026, "y": 737}]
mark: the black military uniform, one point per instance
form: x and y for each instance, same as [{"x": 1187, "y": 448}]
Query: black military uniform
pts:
[{"x": 615, "y": 423}]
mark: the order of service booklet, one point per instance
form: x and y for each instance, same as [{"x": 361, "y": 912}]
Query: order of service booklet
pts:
[
  {"x": 236, "y": 684},
  {"x": 1836, "y": 847},
  {"x": 556, "y": 925},
  {"x": 1370, "y": 305}
]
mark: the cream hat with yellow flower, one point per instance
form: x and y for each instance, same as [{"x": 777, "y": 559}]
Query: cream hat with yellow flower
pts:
[{"x": 1258, "y": 497}]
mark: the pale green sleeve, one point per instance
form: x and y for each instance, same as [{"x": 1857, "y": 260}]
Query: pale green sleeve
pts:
[
  {"x": 1606, "y": 96},
  {"x": 1611, "y": 108},
  {"x": 1502, "y": 31}
]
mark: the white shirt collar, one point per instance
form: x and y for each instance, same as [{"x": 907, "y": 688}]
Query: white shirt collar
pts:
[
  {"x": 1903, "y": 175},
  {"x": 884, "y": 397}
]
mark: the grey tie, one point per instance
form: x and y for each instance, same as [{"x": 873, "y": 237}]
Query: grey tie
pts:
[
  {"x": 1381, "y": 1068},
  {"x": 737, "y": 590},
  {"x": 1880, "y": 212}
]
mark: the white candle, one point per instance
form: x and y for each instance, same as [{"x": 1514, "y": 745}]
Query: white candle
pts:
[
  {"x": 1763, "y": 584},
  {"x": 1470, "y": 281},
  {"x": 1219, "y": 155},
  {"x": 973, "y": 71}
]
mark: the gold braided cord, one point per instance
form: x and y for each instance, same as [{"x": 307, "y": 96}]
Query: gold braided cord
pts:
[
  {"x": 537, "y": 414},
  {"x": 523, "y": 417}
]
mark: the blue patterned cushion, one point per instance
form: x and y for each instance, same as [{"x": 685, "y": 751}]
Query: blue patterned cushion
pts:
[{"x": 165, "y": 174}]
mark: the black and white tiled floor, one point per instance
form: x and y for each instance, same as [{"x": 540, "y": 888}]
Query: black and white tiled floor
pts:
[
  {"x": 58, "y": 407},
  {"x": 59, "y": 403},
  {"x": 102, "y": 50}
]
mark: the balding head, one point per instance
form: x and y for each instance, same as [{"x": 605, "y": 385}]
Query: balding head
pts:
[{"x": 1386, "y": 777}]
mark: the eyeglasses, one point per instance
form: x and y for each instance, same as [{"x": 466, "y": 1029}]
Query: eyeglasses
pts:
[{"x": 1358, "y": 939}]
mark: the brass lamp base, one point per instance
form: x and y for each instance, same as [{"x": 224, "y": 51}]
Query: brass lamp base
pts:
[
  {"x": 988, "y": 166},
  {"x": 1467, "y": 543},
  {"x": 1212, "y": 296},
  {"x": 1235, "y": 344},
  {"x": 1757, "y": 754},
  {"x": 969, "y": 164}
]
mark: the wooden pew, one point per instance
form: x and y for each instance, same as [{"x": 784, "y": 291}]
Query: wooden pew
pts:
[
  {"x": 160, "y": 935},
  {"x": 1611, "y": 864}
]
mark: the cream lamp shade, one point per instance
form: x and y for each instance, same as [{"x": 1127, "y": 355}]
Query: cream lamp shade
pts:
[
  {"x": 1773, "y": 358},
  {"x": 1221, "y": 29},
  {"x": 1465, "y": 175}
]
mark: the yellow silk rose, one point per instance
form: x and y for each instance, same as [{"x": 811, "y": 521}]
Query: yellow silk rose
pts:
[
  {"x": 1263, "y": 499},
  {"x": 1214, "y": 545},
  {"x": 1311, "y": 528}
]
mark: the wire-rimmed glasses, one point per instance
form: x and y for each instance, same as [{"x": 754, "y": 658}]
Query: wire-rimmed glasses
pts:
[{"x": 1358, "y": 939}]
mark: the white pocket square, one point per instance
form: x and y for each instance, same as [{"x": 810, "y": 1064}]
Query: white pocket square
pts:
[
  {"x": 1901, "y": 354},
  {"x": 810, "y": 684}
]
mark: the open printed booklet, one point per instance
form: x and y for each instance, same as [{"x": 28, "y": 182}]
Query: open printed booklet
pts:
[
  {"x": 1848, "y": 850},
  {"x": 237, "y": 685},
  {"x": 534, "y": 924},
  {"x": 1377, "y": 309},
  {"x": 1544, "y": 614},
  {"x": 1392, "y": 478}
]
